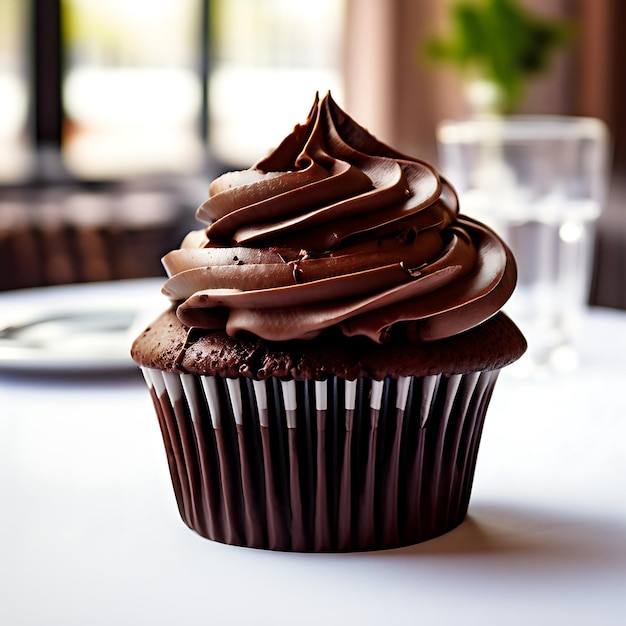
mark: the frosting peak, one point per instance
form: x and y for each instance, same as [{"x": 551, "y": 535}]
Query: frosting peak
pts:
[{"x": 336, "y": 229}]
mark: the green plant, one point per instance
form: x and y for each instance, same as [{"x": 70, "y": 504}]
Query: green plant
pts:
[{"x": 500, "y": 42}]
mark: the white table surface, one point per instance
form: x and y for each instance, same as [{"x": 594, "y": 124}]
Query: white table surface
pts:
[{"x": 90, "y": 533}]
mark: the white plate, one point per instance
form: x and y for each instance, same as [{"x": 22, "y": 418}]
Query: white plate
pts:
[{"x": 87, "y": 327}]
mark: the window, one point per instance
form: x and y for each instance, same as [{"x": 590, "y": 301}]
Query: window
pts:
[
  {"x": 131, "y": 87},
  {"x": 269, "y": 57},
  {"x": 14, "y": 149},
  {"x": 142, "y": 83}
]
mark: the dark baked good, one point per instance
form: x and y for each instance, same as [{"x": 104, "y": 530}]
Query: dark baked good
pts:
[{"x": 336, "y": 331}]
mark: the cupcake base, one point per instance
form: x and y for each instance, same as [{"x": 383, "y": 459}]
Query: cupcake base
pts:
[{"x": 321, "y": 466}]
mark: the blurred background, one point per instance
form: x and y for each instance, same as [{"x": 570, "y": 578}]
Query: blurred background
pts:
[{"x": 116, "y": 114}]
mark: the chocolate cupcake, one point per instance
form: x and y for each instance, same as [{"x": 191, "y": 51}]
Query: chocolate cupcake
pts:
[{"x": 336, "y": 332}]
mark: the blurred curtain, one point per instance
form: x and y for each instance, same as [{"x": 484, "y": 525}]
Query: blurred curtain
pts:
[
  {"x": 600, "y": 91},
  {"x": 389, "y": 87}
]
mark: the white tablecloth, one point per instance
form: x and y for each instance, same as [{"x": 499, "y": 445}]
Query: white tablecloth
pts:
[{"x": 90, "y": 533}]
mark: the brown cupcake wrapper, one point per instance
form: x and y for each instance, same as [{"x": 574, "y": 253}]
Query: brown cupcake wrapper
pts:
[{"x": 321, "y": 466}]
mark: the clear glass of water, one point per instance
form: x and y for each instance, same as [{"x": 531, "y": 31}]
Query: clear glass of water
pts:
[{"x": 540, "y": 182}]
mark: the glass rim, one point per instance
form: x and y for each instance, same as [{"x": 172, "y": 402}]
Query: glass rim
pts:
[{"x": 522, "y": 128}]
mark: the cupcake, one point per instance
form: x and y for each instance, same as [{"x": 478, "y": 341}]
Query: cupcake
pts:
[{"x": 322, "y": 376}]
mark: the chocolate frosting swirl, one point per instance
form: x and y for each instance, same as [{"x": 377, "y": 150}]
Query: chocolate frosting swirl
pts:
[{"x": 336, "y": 229}]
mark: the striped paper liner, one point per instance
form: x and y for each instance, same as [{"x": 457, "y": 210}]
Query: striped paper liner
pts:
[{"x": 323, "y": 466}]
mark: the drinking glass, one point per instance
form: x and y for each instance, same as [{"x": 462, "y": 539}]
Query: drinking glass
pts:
[{"x": 540, "y": 182}]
